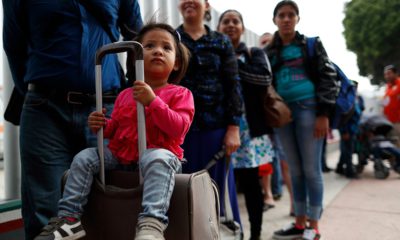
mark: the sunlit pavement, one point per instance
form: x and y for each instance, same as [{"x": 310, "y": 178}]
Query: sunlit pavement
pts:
[{"x": 361, "y": 209}]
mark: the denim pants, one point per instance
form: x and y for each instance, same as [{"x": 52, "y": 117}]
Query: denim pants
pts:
[
  {"x": 158, "y": 167},
  {"x": 52, "y": 132},
  {"x": 303, "y": 152}
]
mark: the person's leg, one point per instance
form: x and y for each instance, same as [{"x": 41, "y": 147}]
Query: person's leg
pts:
[
  {"x": 341, "y": 163},
  {"x": 268, "y": 196},
  {"x": 350, "y": 171},
  {"x": 287, "y": 136},
  {"x": 310, "y": 149},
  {"x": 75, "y": 196},
  {"x": 325, "y": 167},
  {"x": 200, "y": 147},
  {"x": 46, "y": 143},
  {"x": 158, "y": 167},
  {"x": 248, "y": 178},
  {"x": 276, "y": 177},
  {"x": 84, "y": 167},
  {"x": 288, "y": 183},
  {"x": 284, "y": 167}
]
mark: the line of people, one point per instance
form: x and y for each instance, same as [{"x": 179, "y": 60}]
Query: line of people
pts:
[{"x": 220, "y": 96}]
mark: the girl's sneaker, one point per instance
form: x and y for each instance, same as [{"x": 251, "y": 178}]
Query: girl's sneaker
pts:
[
  {"x": 288, "y": 233},
  {"x": 311, "y": 234},
  {"x": 60, "y": 228},
  {"x": 149, "y": 228}
]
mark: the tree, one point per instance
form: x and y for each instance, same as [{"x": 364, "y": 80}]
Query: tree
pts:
[{"x": 372, "y": 32}]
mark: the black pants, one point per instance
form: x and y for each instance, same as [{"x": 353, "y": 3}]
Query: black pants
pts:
[{"x": 249, "y": 182}]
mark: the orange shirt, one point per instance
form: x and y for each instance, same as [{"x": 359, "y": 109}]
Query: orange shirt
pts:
[{"x": 392, "y": 101}]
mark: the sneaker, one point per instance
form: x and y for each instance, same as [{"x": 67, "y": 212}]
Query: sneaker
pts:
[
  {"x": 149, "y": 228},
  {"x": 60, "y": 228},
  {"x": 288, "y": 233},
  {"x": 311, "y": 234}
]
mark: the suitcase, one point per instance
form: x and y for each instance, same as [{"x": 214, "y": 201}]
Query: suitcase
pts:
[{"x": 115, "y": 199}]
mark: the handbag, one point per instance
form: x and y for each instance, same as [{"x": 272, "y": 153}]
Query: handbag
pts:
[
  {"x": 14, "y": 107},
  {"x": 277, "y": 113}
]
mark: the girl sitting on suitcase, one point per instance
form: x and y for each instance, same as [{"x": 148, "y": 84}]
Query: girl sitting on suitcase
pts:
[{"x": 169, "y": 110}]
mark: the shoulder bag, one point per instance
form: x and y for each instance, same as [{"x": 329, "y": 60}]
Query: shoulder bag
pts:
[{"x": 277, "y": 113}]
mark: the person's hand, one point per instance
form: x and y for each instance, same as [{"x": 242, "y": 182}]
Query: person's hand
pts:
[
  {"x": 321, "y": 127},
  {"x": 232, "y": 139},
  {"x": 97, "y": 120},
  {"x": 143, "y": 93}
]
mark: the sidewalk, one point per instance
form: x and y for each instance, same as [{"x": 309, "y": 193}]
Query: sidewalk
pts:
[{"x": 362, "y": 209}]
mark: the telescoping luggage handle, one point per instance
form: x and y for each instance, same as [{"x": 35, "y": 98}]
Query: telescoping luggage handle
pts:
[{"x": 119, "y": 47}]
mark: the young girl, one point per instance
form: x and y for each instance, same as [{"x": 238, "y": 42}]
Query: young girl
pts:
[
  {"x": 256, "y": 147},
  {"x": 213, "y": 78},
  {"x": 169, "y": 112},
  {"x": 311, "y": 99}
]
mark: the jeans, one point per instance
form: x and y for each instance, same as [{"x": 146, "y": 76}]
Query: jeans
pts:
[
  {"x": 276, "y": 180},
  {"x": 303, "y": 152},
  {"x": 51, "y": 133},
  {"x": 158, "y": 167}
]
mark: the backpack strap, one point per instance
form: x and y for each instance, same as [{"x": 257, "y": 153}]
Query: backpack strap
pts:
[{"x": 311, "y": 46}]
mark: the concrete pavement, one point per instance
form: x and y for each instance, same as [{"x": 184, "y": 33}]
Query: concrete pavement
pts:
[{"x": 361, "y": 209}]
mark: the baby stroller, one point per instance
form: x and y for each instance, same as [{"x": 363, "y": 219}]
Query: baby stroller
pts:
[{"x": 374, "y": 144}]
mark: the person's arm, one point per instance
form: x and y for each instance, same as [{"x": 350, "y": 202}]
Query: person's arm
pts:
[
  {"x": 256, "y": 68},
  {"x": 327, "y": 86},
  {"x": 15, "y": 41},
  {"x": 130, "y": 19},
  {"x": 234, "y": 101},
  {"x": 110, "y": 123},
  {"x": 230, "y": 79},
  {"x": 173, "y": 118}
]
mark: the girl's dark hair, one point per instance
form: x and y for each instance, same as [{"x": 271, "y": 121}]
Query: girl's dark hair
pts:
[
  {"x": 228, "y": 11},
  {"x": 182, "y": 53},
  {"x": 285, "y": 3}
]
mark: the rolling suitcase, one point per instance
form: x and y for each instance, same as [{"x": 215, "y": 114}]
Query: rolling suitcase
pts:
[{"x": 115, "y": 199}]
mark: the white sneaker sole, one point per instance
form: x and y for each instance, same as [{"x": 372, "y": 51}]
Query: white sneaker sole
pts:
[{"x": 148, "y": 237}]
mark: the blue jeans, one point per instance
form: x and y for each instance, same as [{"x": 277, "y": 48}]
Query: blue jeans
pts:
[
  {"x": 276, "y": 180},
  {"x": 51, "y": 133},
  {"x": 158, "y": 167},
  {"x": 303, "y": 152}
]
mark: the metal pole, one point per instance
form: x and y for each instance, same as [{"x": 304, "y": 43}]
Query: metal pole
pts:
[{"x": 12, "y": 169}]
